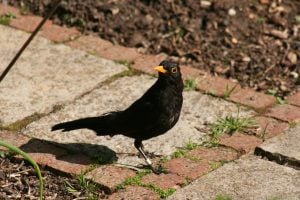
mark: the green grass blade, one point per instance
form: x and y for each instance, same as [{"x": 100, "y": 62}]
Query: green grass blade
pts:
[{"x": 27, "y": 157}]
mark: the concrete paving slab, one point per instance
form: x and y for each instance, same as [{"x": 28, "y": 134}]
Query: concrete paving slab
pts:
[
  {"x": 248, "y": 179},
  {"x": 198, "y": 109},
  {"x": 45, "y": 75},
  {"x": 284, "y": 149}
]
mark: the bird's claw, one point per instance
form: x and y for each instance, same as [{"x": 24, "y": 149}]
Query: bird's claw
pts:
[{"x": 159, "y": 170}]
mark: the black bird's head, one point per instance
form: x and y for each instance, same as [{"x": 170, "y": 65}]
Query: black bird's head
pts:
[{"x": 168, "y": 69}]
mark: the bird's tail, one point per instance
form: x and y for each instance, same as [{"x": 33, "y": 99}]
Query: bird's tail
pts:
[{"x": 102, "y": 125}]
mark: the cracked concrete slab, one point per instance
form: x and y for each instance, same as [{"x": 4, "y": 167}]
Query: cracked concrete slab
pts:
[
  {"x": 284, "y": 149},
  {"x": 45, "y": 75},
  {"x": 198, "y": 109},
  {"x": 247, "y": 178}
]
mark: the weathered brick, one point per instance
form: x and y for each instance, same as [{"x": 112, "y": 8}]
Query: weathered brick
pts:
[
  {"x": 28, "y": 23},
  {"x": 9, "y": 9},
  {"x": 267, "y": 127},
  {"x": 187, "y": 168},
  {"x": 241, "y": 142},
  {"x": 136, "y": 193},
  {"x": 110, "y": 175},
  {"x": 190, "y": 72},
  {"x": 42, "y": 152},
  {"x": 217, "y": 85},
  {"x": 90, "y": 43},
  {"x": 164, "y": 181},
  {"x": 294, "y": 99},
  {"x": 118, "y": 52},
  {"x": 59, "y": 34},
  {"x": 145, "y": 63},
  {"x": 285, "y": 112},
  {"x": 215, "y": 154},
  {"x": 72, "y": 163},
  {"x": 15, "y": 139},
  {"x": 253, "y": 99}
]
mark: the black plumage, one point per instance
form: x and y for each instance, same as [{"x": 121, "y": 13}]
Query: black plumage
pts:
[{"x": 156, "y": 112}]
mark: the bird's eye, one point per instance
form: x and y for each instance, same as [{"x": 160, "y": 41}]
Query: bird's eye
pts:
[{"x": 174, "y": 70}]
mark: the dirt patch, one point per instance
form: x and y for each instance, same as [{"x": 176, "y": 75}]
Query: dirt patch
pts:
[
  {"x": 256, "y": 42},
  {"x": 19, "y": 181}
]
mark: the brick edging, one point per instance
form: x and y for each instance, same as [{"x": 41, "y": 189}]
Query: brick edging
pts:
[{"x": 264, "y": 105}]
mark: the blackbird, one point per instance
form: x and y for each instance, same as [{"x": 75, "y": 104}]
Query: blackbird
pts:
[{"x": 153, "y": 114}]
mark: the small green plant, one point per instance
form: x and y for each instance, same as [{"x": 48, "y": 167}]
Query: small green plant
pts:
[
  {"x": 6, "y": 18},
  {"x": 136, "y": 180},
  {"x": 30, "y": 160},
  {"x": 297, "y": 18},
  {"x": 181, "y": 152},
  {"x": 279, "y": 100},
  {"x": 228, "y": 91},
  {"x": 85, "y": 186},
  {"x": 215, "y": 165},
  {"x": 227, "y": 125},
  {"x": 260, "y": 20},
  {"x": 190, "y": 84},
  {"x": 124, "y": 62},
  {"x": 223, "y": 197}
]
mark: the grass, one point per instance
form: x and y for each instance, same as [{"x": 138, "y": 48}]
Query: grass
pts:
[
  {"x": 227, "y": 125},
  {"x": 297, "y": 18},
  {"x": 18, "y": 125},
  {"x": 136, "y": 180},
  {"x": 190, "y": 84},
  {"x": 30, "y": 160},
  {"x": 223, "y": 197},
  {"x": 124, "y": 62},
  {"x": 6, "y": 18},
  {"x": 86, "y": 187},
  {"x": 260, "y": 20},
  {"x": 228, "y": 91},
  {"x": 181, "y": 152},
  {"x": 279, "y": 100}
]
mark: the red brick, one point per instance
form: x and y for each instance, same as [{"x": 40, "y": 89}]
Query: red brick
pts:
[
  {"x": 164, "y": 181},
  {"x": 90, "y": 43},
  {"x": 285, "y": 112},
  {"x": 110, "y": 176},
  {"x": 190, "y": 72},
  {"x": 59, "y": 34},
  {"x": 253, "y": 99},
  {"x": 216, "y": 154},
  {"x": 72, "y": 164},
  {"x": 118, "y": 52},
  {"x": 28, "y": 23},
  {"x": 146, "y": 63},
  {"x": 268, "y": 127},
  {"x": 9, "y": 9},
  {"x": 42, "y": 152},
  {"x": 136, "y": 193},
  {"x": 241, "y": 142},
  {"x": 294, "y": 99},
  {"x": 187, "y": 168},
  {"x": 15, "y": 139},
  {"x": 216, "y": 85}
]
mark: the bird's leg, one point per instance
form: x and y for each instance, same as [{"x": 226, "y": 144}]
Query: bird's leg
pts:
[{"x": 140, "y": 147}]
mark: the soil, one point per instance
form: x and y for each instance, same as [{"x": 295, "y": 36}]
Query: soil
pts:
[
  {"x": 256, "y": 42},
  {"x": 18, "y": 180}
]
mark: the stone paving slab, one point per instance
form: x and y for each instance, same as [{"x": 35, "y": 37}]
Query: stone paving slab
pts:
[
  {"x": 45, "y": 75},
  {"x": 248, "y": 178},
  {"x": 198, "y": 110},
  {"x": 284, "y": 149}
]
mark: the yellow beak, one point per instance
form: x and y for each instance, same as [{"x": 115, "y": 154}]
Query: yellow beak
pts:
[{"x": 160, "y": 69}]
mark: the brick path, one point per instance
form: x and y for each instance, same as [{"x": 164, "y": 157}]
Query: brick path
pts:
[{"x": 272, "y": 119}]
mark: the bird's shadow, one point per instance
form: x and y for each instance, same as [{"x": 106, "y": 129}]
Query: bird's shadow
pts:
[{"x": 86, "y": 153}]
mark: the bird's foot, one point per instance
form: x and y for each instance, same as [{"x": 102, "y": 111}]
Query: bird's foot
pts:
[{"x": 159, "y": 170}]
